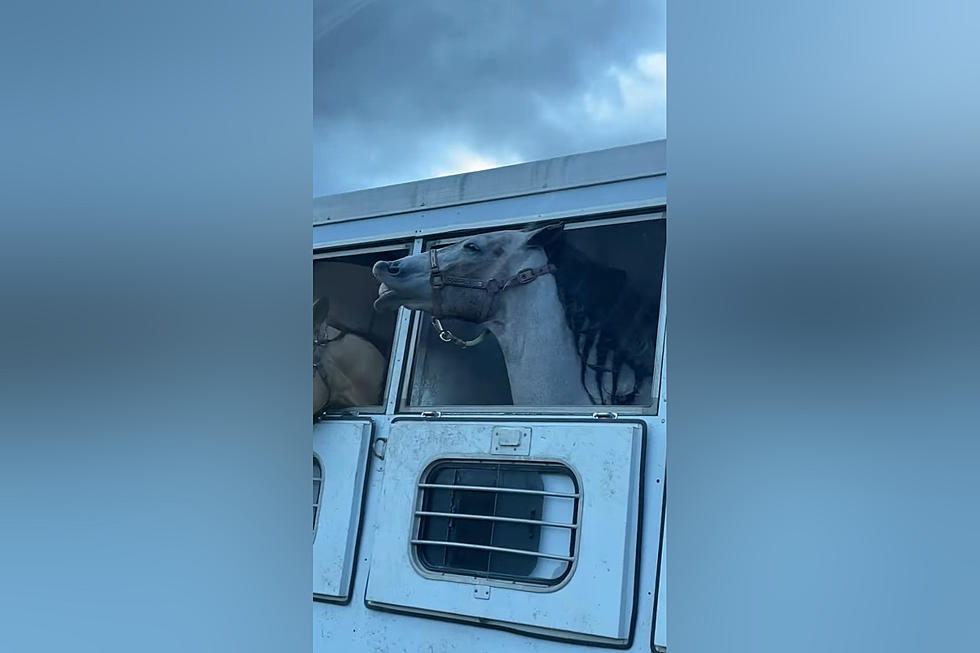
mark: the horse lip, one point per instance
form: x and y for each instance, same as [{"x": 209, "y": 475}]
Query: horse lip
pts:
[
  {"x": 387, "y": 296},
  {"x": 391, "y": 297},
  {"x": 385, "y": 300},
  {"x": 384, "y": 292}
]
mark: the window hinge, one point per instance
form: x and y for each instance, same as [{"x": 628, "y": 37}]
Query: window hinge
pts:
[{"x": 481, "y": 592}]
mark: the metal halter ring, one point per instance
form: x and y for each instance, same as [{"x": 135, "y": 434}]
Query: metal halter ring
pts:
[{"x": 447, "y": 336}]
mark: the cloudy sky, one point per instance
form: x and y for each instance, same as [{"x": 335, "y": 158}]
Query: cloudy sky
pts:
[{"x": 410, "y": 89}]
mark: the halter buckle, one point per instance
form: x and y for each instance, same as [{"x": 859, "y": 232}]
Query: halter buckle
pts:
[
  {"x": 435, "y": 274},
  {"x": 526, "y": 275}
]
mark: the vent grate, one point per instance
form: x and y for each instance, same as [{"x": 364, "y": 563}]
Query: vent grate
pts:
[
  {"x": 317, "y": 485},
  {"x": 514, "y": 521}
]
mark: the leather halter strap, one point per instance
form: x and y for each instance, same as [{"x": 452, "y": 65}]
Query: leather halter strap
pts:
[{"x": 491, "y": 288}]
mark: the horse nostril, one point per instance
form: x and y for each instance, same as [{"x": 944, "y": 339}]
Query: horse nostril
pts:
[{"x": 393, "y": 267}]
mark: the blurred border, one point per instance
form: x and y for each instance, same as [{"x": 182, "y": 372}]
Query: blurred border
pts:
[
  {"x": 155, "y": 272},
  {"x": 823, "y": 326}
]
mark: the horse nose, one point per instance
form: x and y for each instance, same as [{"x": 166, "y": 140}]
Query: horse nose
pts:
[{"x": 393, "y": 267}]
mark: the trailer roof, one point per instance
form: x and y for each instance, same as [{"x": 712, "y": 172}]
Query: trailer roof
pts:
[{"x": 572, "y": 171}]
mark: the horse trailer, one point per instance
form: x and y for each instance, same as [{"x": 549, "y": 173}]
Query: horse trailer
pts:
[{"x": 489, "y": 428}]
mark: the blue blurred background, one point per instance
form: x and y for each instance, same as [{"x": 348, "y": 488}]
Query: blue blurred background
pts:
[
  {"x": 155, "y": 282},
  {"x": 823, "y": 326}
]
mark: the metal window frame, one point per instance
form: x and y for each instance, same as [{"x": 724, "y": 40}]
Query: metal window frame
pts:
[
  {"x": 646, "y": 204},
  {"x": 407, "y": 326},
  {"x": 467, "y": 576},
  {"x": 322, "y": 253},
  {"x": 416, "y": 328},
  {"x": 374, "y": 409}
]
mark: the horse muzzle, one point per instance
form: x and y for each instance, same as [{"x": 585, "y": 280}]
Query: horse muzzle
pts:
[{"x": 401, "y": 284}]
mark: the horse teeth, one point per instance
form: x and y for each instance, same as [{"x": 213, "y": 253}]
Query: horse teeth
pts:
[{"x": 382, "y": 289}]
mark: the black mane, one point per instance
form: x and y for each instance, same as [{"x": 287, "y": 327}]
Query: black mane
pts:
[{"x": 609, "y": 318}]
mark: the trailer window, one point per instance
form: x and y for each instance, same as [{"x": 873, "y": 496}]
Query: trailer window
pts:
[
  {"x": 504, "y": 521},
  {"x": 352, "y": 341},
  {"x": 583, "y": 333}
]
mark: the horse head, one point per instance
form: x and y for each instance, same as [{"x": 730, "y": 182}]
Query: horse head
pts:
[{"x": 462, "y": 280}]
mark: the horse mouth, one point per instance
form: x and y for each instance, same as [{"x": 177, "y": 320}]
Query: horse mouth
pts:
[
  {"x": 387, "y": 298},
  {"x": 396, "y": 289}
]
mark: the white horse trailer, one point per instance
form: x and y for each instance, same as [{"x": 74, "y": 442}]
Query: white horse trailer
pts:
[{"x": 454, "y": 514}]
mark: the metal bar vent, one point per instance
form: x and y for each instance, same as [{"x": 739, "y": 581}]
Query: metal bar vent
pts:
[
  {"x": 512, "y": 521},
  {"x": 317, "y": 485}
]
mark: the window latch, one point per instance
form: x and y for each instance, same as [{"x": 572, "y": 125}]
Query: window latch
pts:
[
  {"x": 511, "y": 441},
  {"x": 379, "y": 447}
]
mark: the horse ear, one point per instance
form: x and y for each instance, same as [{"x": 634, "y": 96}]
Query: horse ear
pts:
[
  {"x": 321, "y": 308},
  {"x": 544, "y": 236}
]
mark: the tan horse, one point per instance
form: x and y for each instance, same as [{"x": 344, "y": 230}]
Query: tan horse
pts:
[{"x": 348, "y": 371}]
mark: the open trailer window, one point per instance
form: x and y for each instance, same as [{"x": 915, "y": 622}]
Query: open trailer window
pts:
[
  {"x": 352, "y": 342},
  {"x": 559, "y": 315},
  {"x": 509, "y": 521}
]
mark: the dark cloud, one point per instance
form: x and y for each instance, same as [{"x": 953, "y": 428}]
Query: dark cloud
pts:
[{"x": 408, "y": 89}]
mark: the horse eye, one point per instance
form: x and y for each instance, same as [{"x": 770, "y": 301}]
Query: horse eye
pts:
[{"x": 473, "y": 247}]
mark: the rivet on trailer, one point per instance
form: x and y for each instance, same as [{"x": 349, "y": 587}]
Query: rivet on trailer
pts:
[{"x": 489, "y": 425}]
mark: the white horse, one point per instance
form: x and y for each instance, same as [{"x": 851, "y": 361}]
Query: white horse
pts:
[
  {"x": 348, "y": 371},
  {"x": 558, "y": 351}
]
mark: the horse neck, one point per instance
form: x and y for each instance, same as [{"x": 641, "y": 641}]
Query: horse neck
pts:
[{"x": 543, "y": 365}]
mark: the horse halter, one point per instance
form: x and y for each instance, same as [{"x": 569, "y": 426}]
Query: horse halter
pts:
[
  {"x": 318, "y": 368},
  {"x": 472, "y": 300}
]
